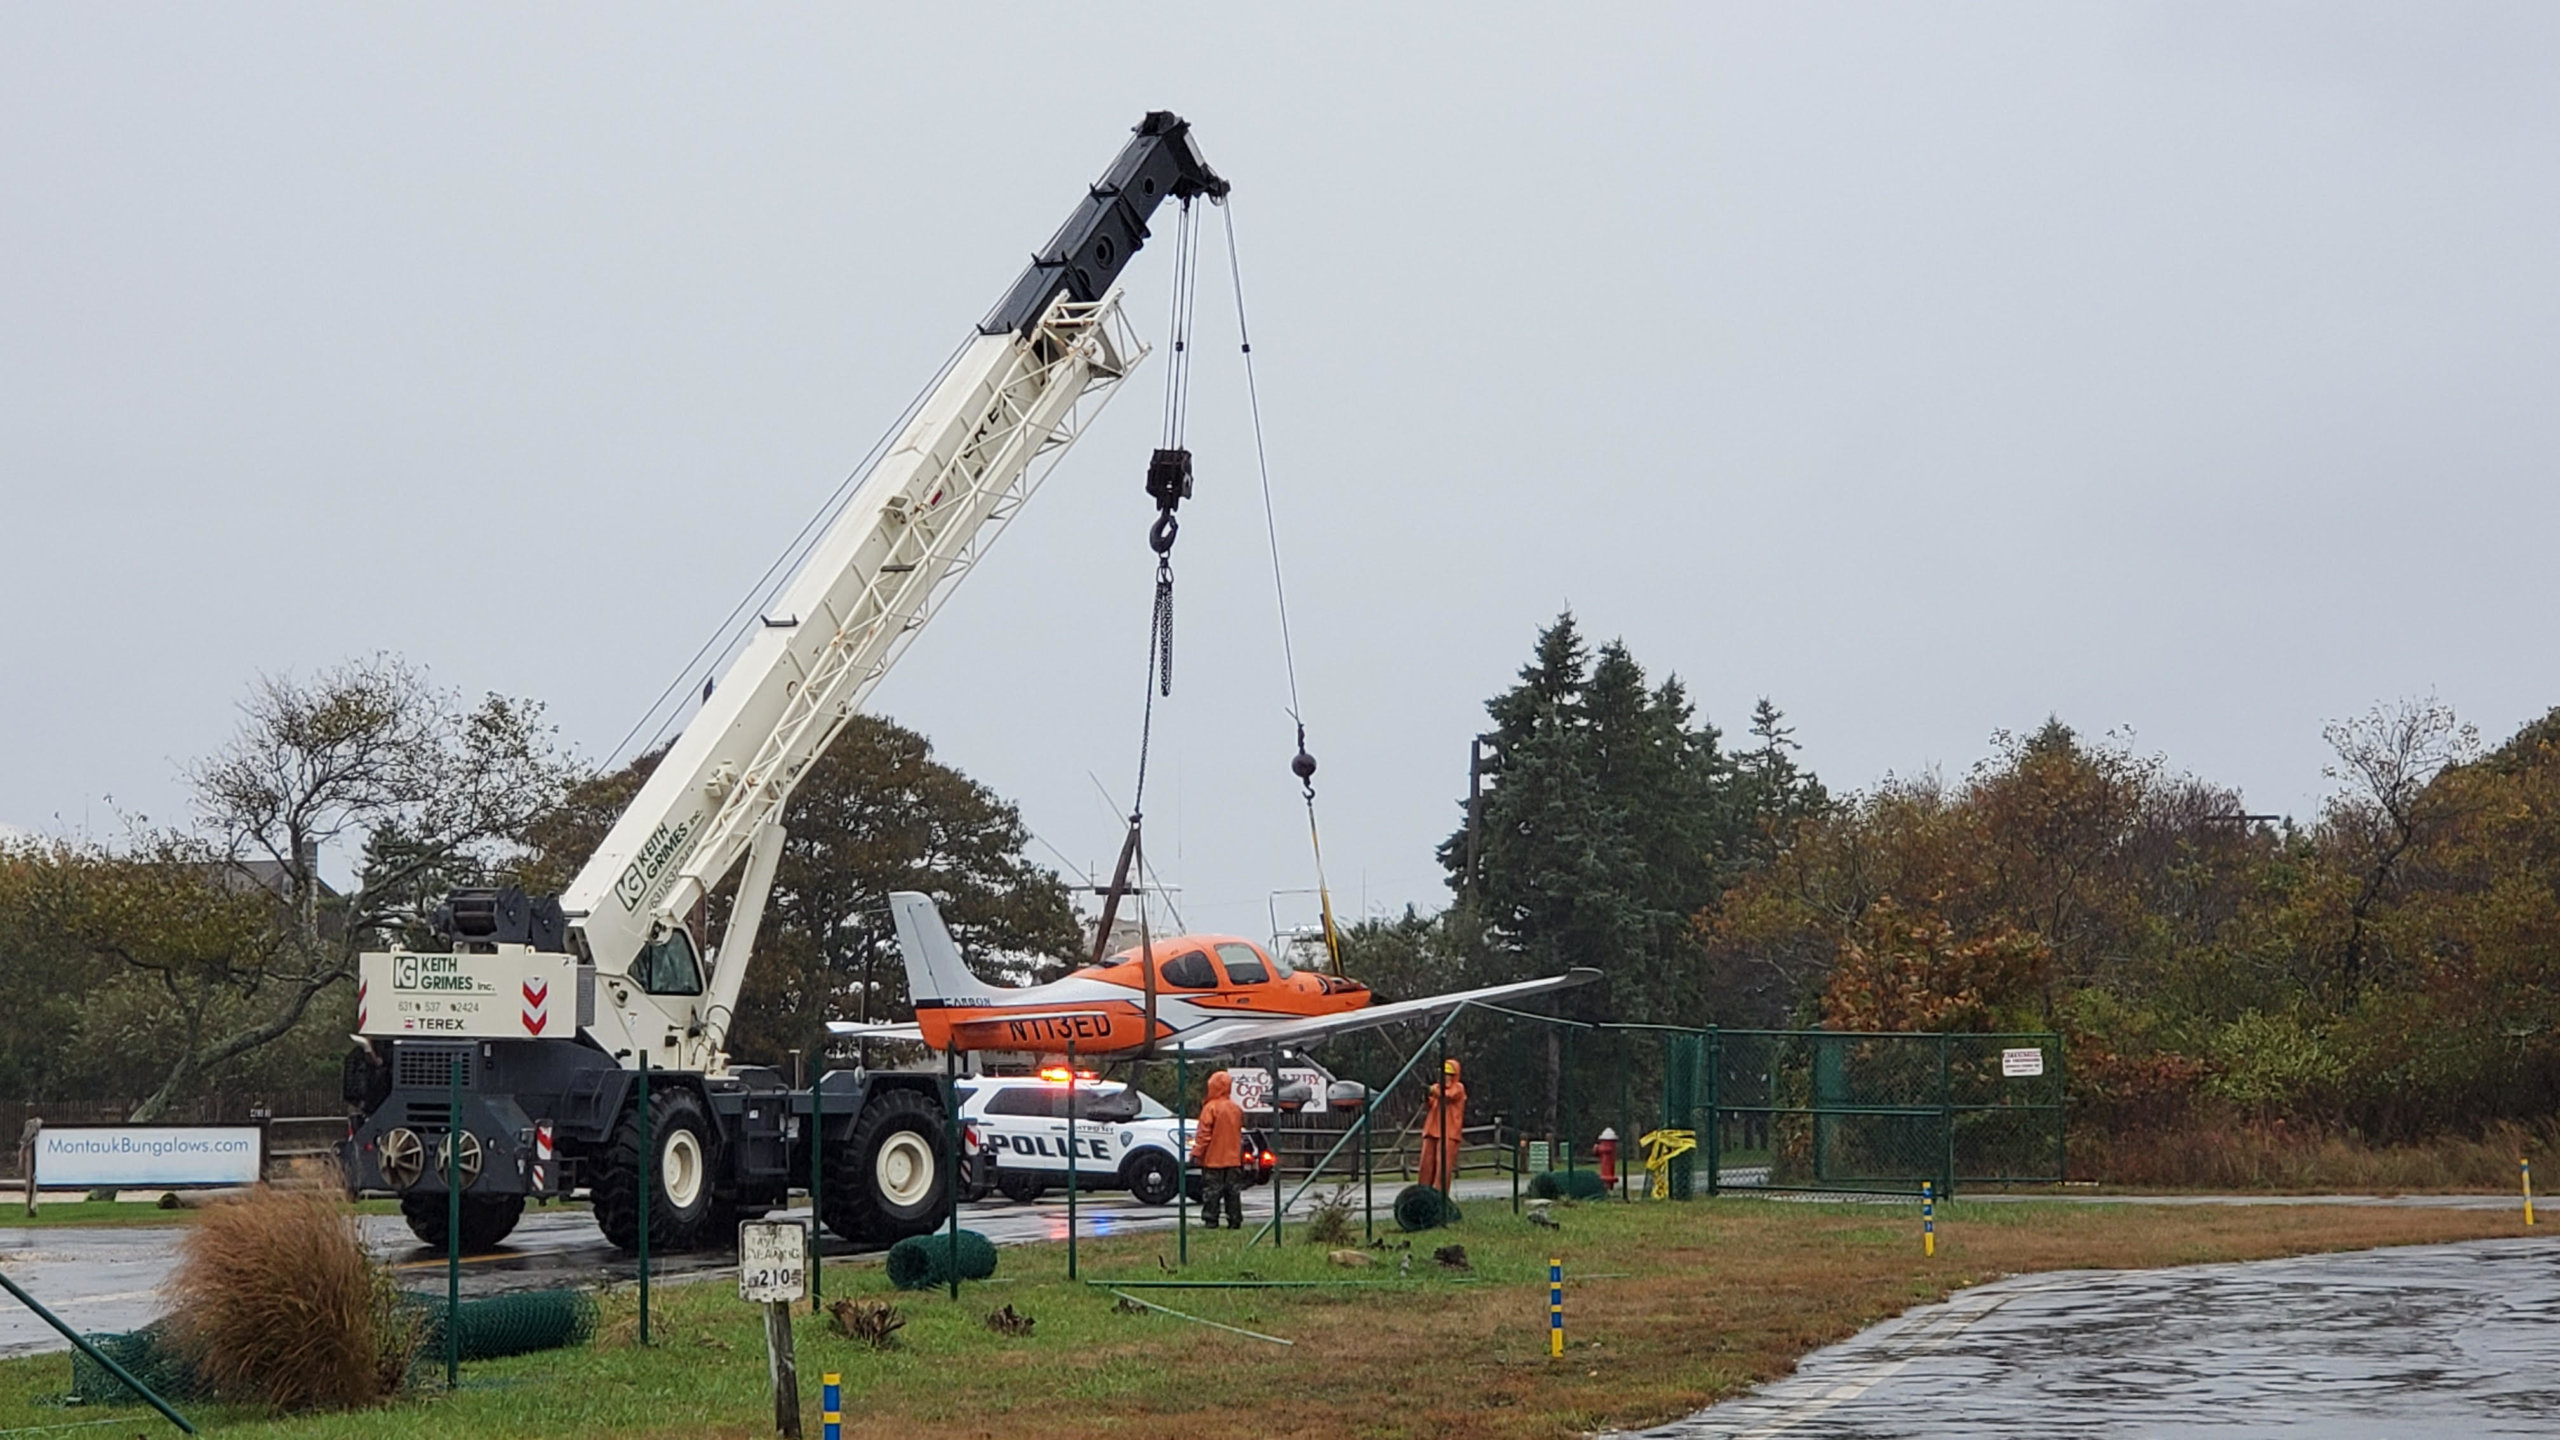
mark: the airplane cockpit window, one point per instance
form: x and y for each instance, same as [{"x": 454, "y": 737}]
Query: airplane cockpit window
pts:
[
  {"x": 1190, "y": 972},
  {"x": 1244, "y": 964}
]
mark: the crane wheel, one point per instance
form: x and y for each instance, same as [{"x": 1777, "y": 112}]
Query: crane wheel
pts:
[
  {"x": 681, "y": 1182},
  {"x": 888, "y": 1180},
  {"x": 486, "y": 1220}
]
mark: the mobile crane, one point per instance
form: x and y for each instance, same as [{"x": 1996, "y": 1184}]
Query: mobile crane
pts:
[{"x": 540, "y": 1013}]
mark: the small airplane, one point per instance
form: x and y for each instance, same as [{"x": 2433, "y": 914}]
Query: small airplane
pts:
[{"x": 1210, "y": 994}]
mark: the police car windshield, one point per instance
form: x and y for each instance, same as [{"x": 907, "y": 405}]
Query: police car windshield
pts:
[{"x": 1150, "y": 1108}]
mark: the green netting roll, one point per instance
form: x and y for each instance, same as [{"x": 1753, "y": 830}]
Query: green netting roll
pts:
[
  {"x": 1568, "y": 1185},
  {"x": 1419, "y": 1207},
  {"x": 920, "y": 1262},
  {"x": 500, "y": 1325},
  {"x": 146, "y": 1354},
  {"x": 493, "y": 1327}
]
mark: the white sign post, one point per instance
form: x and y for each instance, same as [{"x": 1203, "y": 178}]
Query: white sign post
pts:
[
  {"x": 2022, "y": 1064},
  {"x": 773, "y": 1271}
]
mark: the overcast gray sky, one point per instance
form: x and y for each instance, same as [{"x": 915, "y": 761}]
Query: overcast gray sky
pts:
[{"x": 1929, "y": 369}]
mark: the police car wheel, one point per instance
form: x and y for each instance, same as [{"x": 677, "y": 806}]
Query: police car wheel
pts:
[
  {"x": 1021, "y": 1187},
  {"x": 1152, "y": 1179}
]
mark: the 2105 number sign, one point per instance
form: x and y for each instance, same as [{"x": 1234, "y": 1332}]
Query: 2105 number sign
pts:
[{"x": 773, "y": 1261}]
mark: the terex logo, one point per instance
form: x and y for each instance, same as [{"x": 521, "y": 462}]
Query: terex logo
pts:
[{"x": 648, "y": 871}]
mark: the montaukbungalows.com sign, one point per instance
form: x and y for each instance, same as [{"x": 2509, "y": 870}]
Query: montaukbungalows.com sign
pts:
[{"x": 89, "y": 1157}]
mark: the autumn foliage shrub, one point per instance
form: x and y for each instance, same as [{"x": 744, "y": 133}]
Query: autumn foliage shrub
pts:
[
  {"x": 2272, "y": 1155},
  {"x": 276, "y": 1301}
]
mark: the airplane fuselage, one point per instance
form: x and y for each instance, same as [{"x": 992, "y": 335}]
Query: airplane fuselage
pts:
[{"x": 1103, "y": 1010}]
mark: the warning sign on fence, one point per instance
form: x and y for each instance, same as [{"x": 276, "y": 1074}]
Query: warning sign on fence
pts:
[{"x": 2022, "y": 1064}]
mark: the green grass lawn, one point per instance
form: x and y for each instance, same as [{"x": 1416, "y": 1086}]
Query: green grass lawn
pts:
[{"x": 1669, "y": 1307}]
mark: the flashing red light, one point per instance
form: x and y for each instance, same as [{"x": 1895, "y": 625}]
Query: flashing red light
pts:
[{"x": 1059, "y": 1075}]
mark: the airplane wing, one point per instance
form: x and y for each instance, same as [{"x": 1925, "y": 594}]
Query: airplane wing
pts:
[
  {"x": 880, "y": 1030},
  {"x": 910, "y": 1030},
  {"x": 1232, "y": 1036}
]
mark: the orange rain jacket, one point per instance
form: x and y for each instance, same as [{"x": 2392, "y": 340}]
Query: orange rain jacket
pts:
[
  {"x": 1444, "y": 1124},
  {"x": 1218, "y": 1142}
]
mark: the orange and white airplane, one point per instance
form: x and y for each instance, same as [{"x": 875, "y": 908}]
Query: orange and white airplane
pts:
[{"x": 1212, "y": 994}]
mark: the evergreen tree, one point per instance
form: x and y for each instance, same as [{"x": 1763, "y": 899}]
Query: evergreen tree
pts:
[
  {"x": 1610, "y": 820},
  {"x": 1775, "y": 792}
]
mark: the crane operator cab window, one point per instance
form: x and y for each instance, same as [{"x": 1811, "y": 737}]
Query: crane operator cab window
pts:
[
  {"x": 666, "y": 965},
  {"x": 1190, "y": 972},
  {"x": 1244, "y": 964}
]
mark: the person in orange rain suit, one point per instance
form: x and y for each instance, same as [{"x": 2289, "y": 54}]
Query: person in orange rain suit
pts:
[
  {"x": 1217, "y": 1146},
  {"x": 1444, "y": 1124}
]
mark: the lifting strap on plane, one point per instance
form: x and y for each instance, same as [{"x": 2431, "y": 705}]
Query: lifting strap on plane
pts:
[{"x": 1303, "y": 764}]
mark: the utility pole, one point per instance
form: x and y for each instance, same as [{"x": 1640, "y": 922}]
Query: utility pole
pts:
[{"x": 1477, "y": 769}]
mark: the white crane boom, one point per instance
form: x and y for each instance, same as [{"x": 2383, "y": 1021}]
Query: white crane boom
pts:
[
  {"x": 915, "y": 526},
  {"x": 1020, "y": 392}
]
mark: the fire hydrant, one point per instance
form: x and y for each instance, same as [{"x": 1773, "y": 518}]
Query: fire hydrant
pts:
[{"x": 1606, "y": 1152}]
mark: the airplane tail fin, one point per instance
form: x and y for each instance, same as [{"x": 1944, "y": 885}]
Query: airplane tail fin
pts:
[{"x": 935, "y": 970}]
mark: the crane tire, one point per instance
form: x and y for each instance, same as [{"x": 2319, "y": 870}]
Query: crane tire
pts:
[
  {"x": 681, "y": 1199},
  {"x": 486, "y": 1220},
  {"x": 888, "y": 1179}
]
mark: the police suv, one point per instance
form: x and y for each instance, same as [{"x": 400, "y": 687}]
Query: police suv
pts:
[{"x": 1124, "y": 1139}]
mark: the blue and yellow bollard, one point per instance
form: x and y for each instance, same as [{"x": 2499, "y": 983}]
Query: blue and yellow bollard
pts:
[
  {"x": 832, "y": 1403},
  {"x": 1928, "y": 1218},
  {"x": 2524, "y": 1169},
  {"x": 1555, "y": 1306}
]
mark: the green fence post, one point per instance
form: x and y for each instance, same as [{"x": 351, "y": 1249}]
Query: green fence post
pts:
[
  {"x": 1368, "y": 1177},
  {"x": 817, "y": 1178},
  {"x": 1714, "y": 1128},
  {"x": 648, "y": 1181},
  {"x": 1564, "y": 1096},
  {"x": 1182, "y": 1161},
  {"x": 1071, "y": 1158},
  {"x": 453, "y": 1221},
  {"x": 1626, "y": 1121},
  {"x": 1449, "y": 1182},
  {"x": 2061, "y": 1117},
  {"x": 1947, "y": 1116},
  {"x": 91, "y": 1350},
  {"x": 951, "y": 1156},
  {"x": 1279, "y": 1190}
]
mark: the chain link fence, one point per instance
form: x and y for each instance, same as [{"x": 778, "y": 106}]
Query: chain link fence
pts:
[
  {"x": 1872, "y": 1113},
  {"x": 1769, "y": 1110}
]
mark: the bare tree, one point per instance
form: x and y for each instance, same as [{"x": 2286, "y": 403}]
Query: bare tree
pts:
[
  {"x": 2388, "y": 760},
  {"x": 368, "y": 751}
]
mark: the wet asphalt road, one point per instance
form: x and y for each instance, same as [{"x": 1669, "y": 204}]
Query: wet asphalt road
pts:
[
  {"x": 2433, "y": 1341},
  {"x": 107, "y": 1279}
]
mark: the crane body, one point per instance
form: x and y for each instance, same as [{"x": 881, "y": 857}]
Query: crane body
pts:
[{"x": 542, "y": 1011}]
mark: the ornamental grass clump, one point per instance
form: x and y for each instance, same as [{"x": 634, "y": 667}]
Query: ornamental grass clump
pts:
[{"x": 277, "y": 1302}]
